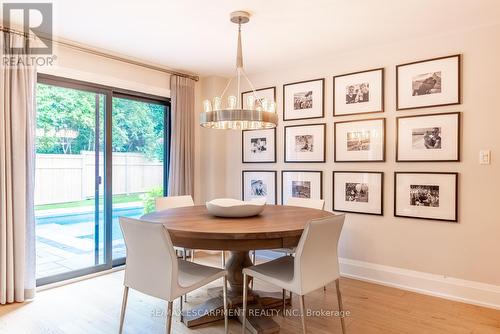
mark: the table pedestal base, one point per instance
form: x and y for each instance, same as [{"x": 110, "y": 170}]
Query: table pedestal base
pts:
[
  {"x": 213, "y": 309},
  {"x": 259, "y": 301}
]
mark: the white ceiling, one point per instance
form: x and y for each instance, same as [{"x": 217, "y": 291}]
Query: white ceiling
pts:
[{"x": 196, "y": 35}]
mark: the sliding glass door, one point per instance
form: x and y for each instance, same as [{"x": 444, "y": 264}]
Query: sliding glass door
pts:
[
  {"x": 68, "y": 180},
  {"x": 138, "y": 160},
  {"x": 100, "y": 155}
]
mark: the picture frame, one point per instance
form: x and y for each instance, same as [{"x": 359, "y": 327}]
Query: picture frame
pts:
[
  {"x": 305, "y": 143},
  {"x": 268, "y": 92},
  {"x": 359, "y": 92},
  {"x": 358, "y": 192},
  {"x": 259, "y": 184},
  {"x": 426, "y": 195},
  {"x": 429, "y": 83},
  {"x": 304, "y": 100},
  {"x": 301, "y": 183},
  {"x": 360, "y": 140},
  {"x": 428, "y": 138},
  {"x": 258, "y": 146}
]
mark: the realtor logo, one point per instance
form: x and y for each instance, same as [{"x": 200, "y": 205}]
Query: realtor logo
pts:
[{"x": 36, "y": 20}]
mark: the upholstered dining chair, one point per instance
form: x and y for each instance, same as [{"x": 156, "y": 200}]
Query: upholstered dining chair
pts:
[
  {"x": 306, "y": 203},
  {"x": 315, "y": 264},
  {"x": 172, "y": 202},
  {"x": 294, "y": 201},
  {"x": 153, "y": 268},
  {"x": 318, "y": 204}
]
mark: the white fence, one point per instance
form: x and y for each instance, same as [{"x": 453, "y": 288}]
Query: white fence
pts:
[{"x": 71, "y": 177}]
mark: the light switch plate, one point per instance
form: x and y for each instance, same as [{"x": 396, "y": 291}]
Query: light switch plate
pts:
[{"x": 484, "y": 157}]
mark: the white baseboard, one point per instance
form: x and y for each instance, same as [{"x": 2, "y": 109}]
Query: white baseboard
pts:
[{"x": 470, "y": 292}]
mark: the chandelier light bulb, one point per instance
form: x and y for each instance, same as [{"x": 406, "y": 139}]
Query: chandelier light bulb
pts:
[
  {"x": 217, "y": 103},
  {"x": 272, "y": 107},
  {"x": 265, "y": 104},
  {"x": 207, "y": 106},
  {"x": 251, "y": 102},
  {"x": 231, "y": 102}
]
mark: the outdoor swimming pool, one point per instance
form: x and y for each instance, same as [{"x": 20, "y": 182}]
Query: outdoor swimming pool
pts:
[{"x": 87, "y": 217}]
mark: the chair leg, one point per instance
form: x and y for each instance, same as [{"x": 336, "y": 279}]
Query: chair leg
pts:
[
  {"x": 341, "y": 307},
  {"x": 253, "y": 262},
  {"x": 245, "y": 291},
  {"x": 124, "y": 306},
  {"x": 223, "y": 259},
  {"x": 284, "y": 301},
  {"x": 169, "y": 318},
  {"x": 184, "y": 251},
  {"x": 290, "y": 296},
  {"x": 180, "y": 305},
  {"x": 224, "y": 297},
  {"x": 303, "y": 314}
]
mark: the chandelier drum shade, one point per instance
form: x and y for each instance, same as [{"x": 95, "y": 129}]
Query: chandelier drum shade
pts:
[{"x": 257, "y": 114}]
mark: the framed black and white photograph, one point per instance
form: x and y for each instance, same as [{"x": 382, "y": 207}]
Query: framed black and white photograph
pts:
[
  {"x": 305, "y": 143},
  {"x": 258, "y": 146},
  {"x": 358, "y": 93},
  {"x": 358, "y": 192},
  {"x": 426, "y": 195},
  {"x": 360, "y": 141},
  {"x": 434, "y": 137},
  {"x": 251, "y": 100},
  {"x": 301, "y": 184},
  {"x": 259, "y": 184},
  {"x": 428, "y": 83},
  {"x": 303, "y": 100}
]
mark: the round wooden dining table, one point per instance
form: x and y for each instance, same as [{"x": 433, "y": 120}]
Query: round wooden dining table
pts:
[{"x": 278, "y": 226}]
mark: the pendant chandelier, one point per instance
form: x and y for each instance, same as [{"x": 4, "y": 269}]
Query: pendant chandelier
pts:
[{"x": 259, "y": 113}]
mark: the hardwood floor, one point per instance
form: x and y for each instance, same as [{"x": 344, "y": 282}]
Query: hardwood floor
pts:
[{"x": 93, "y": 306}]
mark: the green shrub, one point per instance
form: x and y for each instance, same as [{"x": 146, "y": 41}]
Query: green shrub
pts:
[{"x": 148, "y": 199}]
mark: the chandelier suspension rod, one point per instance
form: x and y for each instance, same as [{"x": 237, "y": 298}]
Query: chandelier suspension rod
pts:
[{"x": 239, "y": 52}]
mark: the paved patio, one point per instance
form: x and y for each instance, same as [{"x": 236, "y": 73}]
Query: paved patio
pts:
[{"x": 63, "y": 245}]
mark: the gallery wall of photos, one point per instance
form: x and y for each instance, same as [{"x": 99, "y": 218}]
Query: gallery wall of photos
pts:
[{"x": 426, "y": 137}]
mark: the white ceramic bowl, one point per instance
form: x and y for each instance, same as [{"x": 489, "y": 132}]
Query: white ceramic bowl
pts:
[{"x": 233, "y": 208}]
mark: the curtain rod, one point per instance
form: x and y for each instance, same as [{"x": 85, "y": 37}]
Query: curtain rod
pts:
[{"x": 101, "y": 54}]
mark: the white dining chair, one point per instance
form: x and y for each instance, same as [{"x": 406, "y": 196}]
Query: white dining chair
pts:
[
  {"x": 315, "y": 264},
  {"x": 152, "y": 267},
  {"x": 295, "y": 201},
  {"x": 318, "y": 204},
  {"x": 306, "y": 203},
  {"x": 172, "y": 202}
]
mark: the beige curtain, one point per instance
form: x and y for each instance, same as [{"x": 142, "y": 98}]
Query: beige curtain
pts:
[
  {"x": 181, "y": 171},
  {"x": 17, "y": 157}
]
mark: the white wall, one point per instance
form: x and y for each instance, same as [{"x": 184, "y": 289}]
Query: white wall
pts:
[
  {"x": 210, "y": 155},
  {"x": 469, "y": 250}
]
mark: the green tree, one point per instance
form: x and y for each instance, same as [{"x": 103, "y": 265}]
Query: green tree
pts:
[
  {"x": 61, "y": 109},
  {"x": 137, "y": 126}
]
